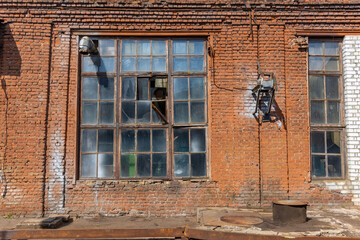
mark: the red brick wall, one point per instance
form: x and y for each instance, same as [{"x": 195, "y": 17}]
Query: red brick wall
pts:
[{"x": 250, "y": 165}]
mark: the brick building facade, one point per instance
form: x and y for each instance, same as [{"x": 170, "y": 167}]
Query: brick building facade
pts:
[{"x": 87, "y": 134}]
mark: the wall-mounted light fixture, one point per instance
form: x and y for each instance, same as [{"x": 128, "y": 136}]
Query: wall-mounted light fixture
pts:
[{"x": 87, "y": 46}]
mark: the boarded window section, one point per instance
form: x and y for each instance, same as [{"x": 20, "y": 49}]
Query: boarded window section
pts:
[
  {"x": 325, "y": 91},
  {"x": 143, "y": 153}
]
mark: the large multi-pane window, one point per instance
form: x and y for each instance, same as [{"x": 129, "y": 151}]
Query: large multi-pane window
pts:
[
  {"x": 143, "y": 109},
  {"x": 326, "y": 114}
]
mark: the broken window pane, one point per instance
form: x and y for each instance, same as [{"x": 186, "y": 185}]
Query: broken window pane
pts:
[
  {"x": 88, "y": 140},
  {"x": 198, "y": 164},
  {"x": 197, "y": 112},
  {"x": 181, "y": 168},
  {"x": 127, "y": 141},
  {"x": 181, "y": 140},
  {"x": 316, "y": 63},
  {"x": 128, "y": 47},
  {"x": 159, "y": 140},
  {"x": 106, "y": 113},
  {"x": 181, "y": 112},
  {"x": 196, "y": 47},
  {"x": 106, "y": 140},
  {"x": 332, "y": 87},
  {"x": 197, "y": 88},
  {"x": 106, "y": 88},
  {"x": 144, "y": 64},
  {"x": 89, "y": 113},
  {"x": 128, "y": 64},
  {"x": 181, "y": 89},
  {"x": 128, "y": 112},
  {"x": 332, "y": 48},
  {"x": 107, "y": 64},
  {"x": 180, "y": 64},
  {"x": 179, "y": 47},
  {"x": 105, "y": 165},
  {"x": 196, "y": 64},
  {"x": 159, "y": 165},
  {"x": 318, "y": 142},
  {"x": 332, "y": 64},
  {"x": 316, "y": 48},
  {"x": 197, "y": 140},
  {"x": 317, "y": 114},
  {"x": 88, "y": 165},
  {"x": 318, "y": 165},
  {"x": 159, "y": 64},
  {"x": 107, "y": 47},
  {"x": 334, "y": 166},
  {"x": 333, "y": 112},
  {"x": 143, "y": 47},
  {"x": 128, "y": 88},
  {"x": 143, "y": 140},
  {"x": 316, "y": 87},
  {"x": 158, "y": 47},
  {"x": 143, "y": 111},
  {"x": 333, "y": 142},
  {"x": 143, "y": 165},
  {"x": 90, "y": 88},
  {"x": 128, "y": 165}
]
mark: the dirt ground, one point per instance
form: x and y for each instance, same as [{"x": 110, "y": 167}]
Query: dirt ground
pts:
[{"x": 327, "y": 222}]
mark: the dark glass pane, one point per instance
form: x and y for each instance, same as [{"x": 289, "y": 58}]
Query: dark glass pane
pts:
[
  {"x": 333, "y": 112},
  {"x": 180, "y": 64},
  {"x": 198, "y": 164},
  {"x": 106, "y": 112},
  {"x": 127, "y": 141},
  {"x": 316, "y": 63},
  {"x": 128, "y": 47},
  {"x": 128, "y": 64},
  {"x": 334, "y": 166},
  {"x": 181, "y": 89},
  {"x": 181, "y": 140},
  {"x": 181, "y": 165},
  {"x": 143, "y": 111},
  {"x": 159, "y": 165},
  {"x": 332, "y": 48},
  {"x": 106, "y": 88},
  {"x": 128, "y": 112},
  {"x": 128, "y": 165},
  {"x": 196, "y": 64},
  {"x": 181, "y": 112},
  {"x": 158, "y": 47},
  {"x": 159, "y": 64},
  {"x": 318, "y": 166},
  {"x": 332, "y": 87},
  {"x": 197, "y": 88},
  {"x": 144, "y": 64},
  {"x": 332, "y": 64},
  {"x": 128, "y": 88},
  {"x": 90, "y": 88},
  {"x": 88, "y": 140},
  {"x": 333, "y": 142},
  {"x": 179, "y": 47},
  {"x": 317, "y": 142},
  {"x": 89, "y": 113},
  {"x": 107, "y": 47},
  {"x": 159, "y": 140},
  {"x": 317, "y": 114},
  {"x": 197, "y": 112},
  {"x": 105, "y": 166},
  {"x": 90, "y": 64},
  {"x": 196, "y": 47},
  {"x": 106, "y": 140},
  {"x": 143, "y": 165},
  {"x": 143, "y": 140},
  {"x": 197, "y": 140},
  {"x": 107, "y": 64},
  {"x": 316, "y": 87},
  {"x": 316, "y": 48},
  {"x": 143, "y": 89},
  {"x": 88, "y": 165},
  {"x": 143, "y": 47}
]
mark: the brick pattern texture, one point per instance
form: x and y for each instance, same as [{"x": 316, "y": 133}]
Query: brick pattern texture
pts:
[{"x": 249, "y": 164}]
